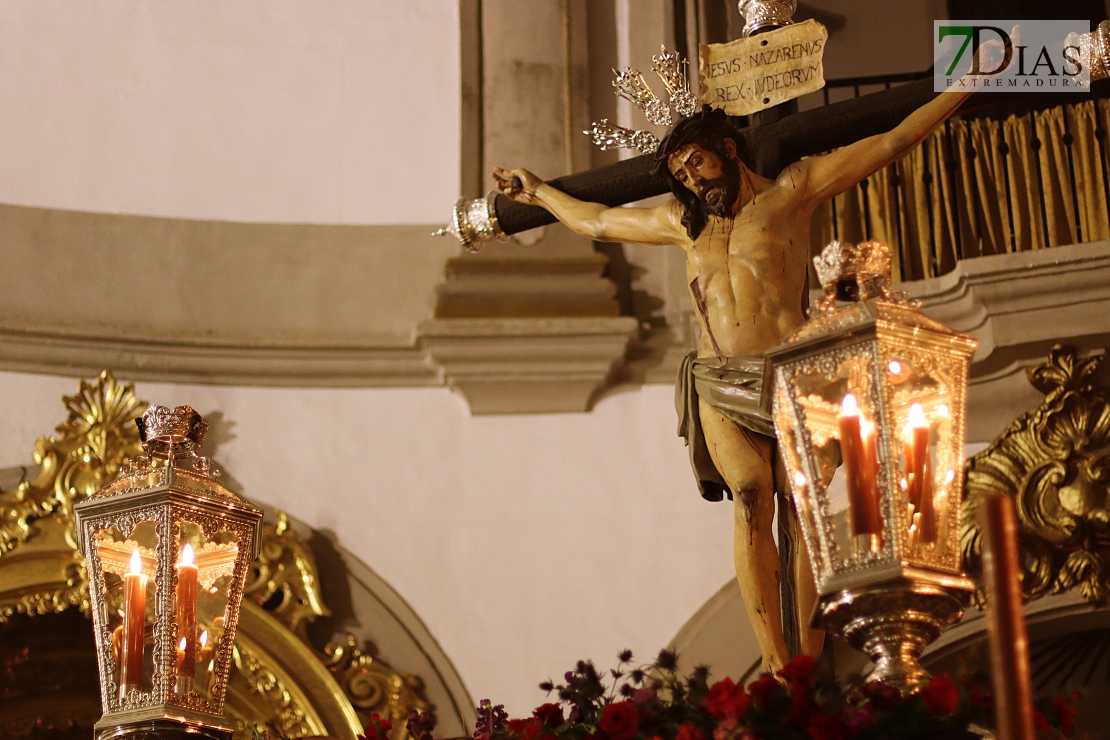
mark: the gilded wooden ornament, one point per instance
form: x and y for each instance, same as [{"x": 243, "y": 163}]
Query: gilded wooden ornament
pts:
[
  {"x": 283, "y": 579},
  {"x": 41, "y": 572},
  {"x": 98, "y": 435},
  {"x": 1055, "y": 463},
  {"x": 375, "y": 688}
]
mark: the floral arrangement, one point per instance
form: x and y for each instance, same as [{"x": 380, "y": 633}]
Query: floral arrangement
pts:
[{"x": 655, "y": 702}]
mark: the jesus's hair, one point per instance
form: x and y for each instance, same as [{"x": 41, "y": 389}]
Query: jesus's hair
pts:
[{"x": 707, "y": 128}]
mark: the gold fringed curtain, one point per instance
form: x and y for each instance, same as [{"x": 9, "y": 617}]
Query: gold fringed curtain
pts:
[{"x": 982, "y": 186}]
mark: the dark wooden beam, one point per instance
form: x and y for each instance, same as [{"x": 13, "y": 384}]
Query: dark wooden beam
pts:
[
  {"x": 777, "y": 144},
  {"x": 774, "y": 144}
]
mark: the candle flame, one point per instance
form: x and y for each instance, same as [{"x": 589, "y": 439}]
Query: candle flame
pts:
[
  {"x": 917, "y": 416},
  {"x": 204, "y": 639},
  {"x": 848, "y": 405},
  {"x": 181, "y": 645},
  {"x": 187, "y": 555},
  {"x": 136, "y": 562},
  {"x": 799, "y": 479},
  {"x": 894, "y": 367},
  {"x": 950, "y": 477},
  {"x": 942, "y": 410}
]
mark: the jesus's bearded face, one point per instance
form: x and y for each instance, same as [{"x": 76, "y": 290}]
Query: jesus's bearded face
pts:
[{"x": 715, "y": 182}]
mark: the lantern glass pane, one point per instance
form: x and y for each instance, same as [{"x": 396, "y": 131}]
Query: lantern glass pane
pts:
[
  {"x": 205, "y": 567},
  {"x": 129, "y": 562},
  {"x": 837, "y": 407},
  {"x": 927, "y": 453}
]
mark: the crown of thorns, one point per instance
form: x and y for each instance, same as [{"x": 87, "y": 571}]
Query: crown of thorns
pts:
[{"x": 632, "y": 86}]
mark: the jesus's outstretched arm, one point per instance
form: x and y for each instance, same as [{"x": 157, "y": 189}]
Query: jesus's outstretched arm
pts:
[{"x": 659, "y": 225}]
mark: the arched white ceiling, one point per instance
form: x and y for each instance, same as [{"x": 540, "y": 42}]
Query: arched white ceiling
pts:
[{"x": 344, "y": 111}]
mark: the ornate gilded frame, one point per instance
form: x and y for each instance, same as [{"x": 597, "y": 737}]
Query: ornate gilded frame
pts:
[{"x": 279, "y": 681}]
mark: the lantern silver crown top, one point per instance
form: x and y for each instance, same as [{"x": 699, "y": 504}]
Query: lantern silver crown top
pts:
[
  {"x": 857, "y": 272},
  {"x": 178, "y": 432}
]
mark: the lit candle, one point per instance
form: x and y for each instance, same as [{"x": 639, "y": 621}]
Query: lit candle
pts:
[
  {"x": 181, "y": 655},
  {"x": 860, "y": 479},
  {"x": 919, "y": 472},
  {"x": 1009, "y": 643},
  {"x": 871, "y": 477},
  {"x": 187, "y": 611},
  {"x": 134, "y": 622}
]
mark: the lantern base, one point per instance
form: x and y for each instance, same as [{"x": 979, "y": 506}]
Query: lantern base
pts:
[
  {"x": 893, "y": 623},
  {"x": 162, "y": 729}
]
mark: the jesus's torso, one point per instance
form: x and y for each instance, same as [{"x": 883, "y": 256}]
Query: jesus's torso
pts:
[{"x": 747, "y": 274}]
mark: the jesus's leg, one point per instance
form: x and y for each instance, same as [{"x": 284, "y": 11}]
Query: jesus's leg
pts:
[
  {"x": 810, "y": 641},
  {"x": 744, "y": 460}
]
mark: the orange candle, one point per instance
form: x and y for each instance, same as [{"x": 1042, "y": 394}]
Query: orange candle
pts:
[
  {"x": 871, "y": 463},
  {"x": 134, "y": 623},
  {"x": 186, "y": 612},
  {"x": 919, "y": 469},
  {"x": 861, "y": 501},
  {"x": 1009, "y": 642}
]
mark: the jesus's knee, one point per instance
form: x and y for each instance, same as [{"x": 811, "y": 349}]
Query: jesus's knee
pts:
[{"x": 753, "y": 503}]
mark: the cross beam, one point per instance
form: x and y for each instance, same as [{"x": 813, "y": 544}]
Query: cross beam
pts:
[{"x": 774, "y": 145}]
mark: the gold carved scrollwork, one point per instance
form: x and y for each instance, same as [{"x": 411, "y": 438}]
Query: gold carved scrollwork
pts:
[
  {"x": 284, "y": 582},
  {"x": 375, "y": 688},
  {"x": 1055, "y": 463},
  {"x": 283, "y": 579},
  {"x": 96, "y": 438},
  {"x": 41, "y": 572},
  {"x": 286, "y": 712}
]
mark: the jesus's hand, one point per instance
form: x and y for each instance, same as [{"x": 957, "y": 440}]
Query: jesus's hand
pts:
[{"x": 518, "y": 185}]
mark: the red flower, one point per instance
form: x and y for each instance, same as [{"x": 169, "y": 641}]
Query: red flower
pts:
[
  {"x": 765, "y": 690},
  {"x": 687, "y": 731},
  {"x": 528, "y": 729},
  {"x": 549, "y": 714},
  {"x": 825, "y": 727},
  {"x": 800, "y": 671},
  {"x": 883, "y": 696},
  {"x": 726, "y": 699},
  {"x": 378, "y": 728},
  {"x": 856, "y": 719},
  {"x": 941, "y": 694},
  {"x": 620, "y": 721},
  {"x": 802, "y": 704},
  {"x": 1039, "y": 720},
  {"x": 1068, "y": 713}
]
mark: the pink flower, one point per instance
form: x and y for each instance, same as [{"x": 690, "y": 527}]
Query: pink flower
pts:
[{"x": 725, "y": 728}]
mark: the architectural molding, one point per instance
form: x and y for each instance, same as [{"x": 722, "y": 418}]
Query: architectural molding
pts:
[
  {"x": 515, "y": 329},
  {"x": 1018, "y": 306},
  {"x": 528, "y": 365}
]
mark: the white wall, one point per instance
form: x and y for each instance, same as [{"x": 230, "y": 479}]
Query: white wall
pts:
[
  {"x": 524, "y": 542},
  {"x": 315, "y": 111}
]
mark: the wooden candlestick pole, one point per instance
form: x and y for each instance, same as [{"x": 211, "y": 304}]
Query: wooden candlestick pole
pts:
[{"x": 1005, "y": 621}]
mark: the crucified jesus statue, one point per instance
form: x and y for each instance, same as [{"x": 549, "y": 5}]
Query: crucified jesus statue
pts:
[{"x": 747, "y": 243}]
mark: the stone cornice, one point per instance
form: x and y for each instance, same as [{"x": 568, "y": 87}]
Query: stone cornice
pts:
[{"x": 64, "y": 352}]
